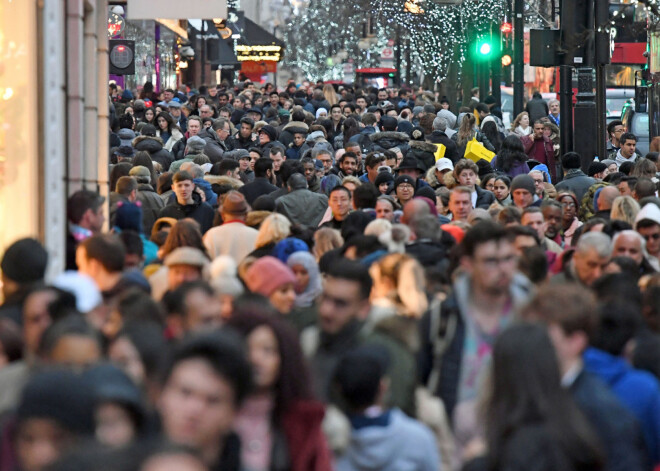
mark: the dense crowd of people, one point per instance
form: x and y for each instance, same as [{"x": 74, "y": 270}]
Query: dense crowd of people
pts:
[{"x": 314, "y": 278}]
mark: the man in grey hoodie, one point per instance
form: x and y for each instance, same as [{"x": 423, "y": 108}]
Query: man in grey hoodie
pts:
[{"x": 381, "y": 439}]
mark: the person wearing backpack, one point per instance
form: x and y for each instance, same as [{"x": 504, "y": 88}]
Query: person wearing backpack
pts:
[{"x": 457, "y": 339}]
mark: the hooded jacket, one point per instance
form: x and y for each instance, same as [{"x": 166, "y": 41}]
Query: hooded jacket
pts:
[
  {"x": 451, "y": 150},
  {"x": 154, "y": 145},
  {"x": 638, "y": 390},
  {"x": 390, "y": 139},
  {"x": 286, "y": 135},
  {"x": 457, "y": 306},
  {"x": 424, "y": 152},
  {"x": 401, "y": 444}
]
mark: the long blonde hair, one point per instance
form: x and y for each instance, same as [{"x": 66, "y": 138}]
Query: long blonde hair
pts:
[
  {"x": 329, "y": 94},
  {"x": 625, "y": 208},
  {"x": 325, "y": 240},
  {"x": 466, "y": 130},
  {"x": 406, "y": 276},
  {"x": 274, "y": 229}
]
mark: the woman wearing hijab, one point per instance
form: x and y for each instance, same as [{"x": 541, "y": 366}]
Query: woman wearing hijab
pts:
[{"x": 308, "y": 288}]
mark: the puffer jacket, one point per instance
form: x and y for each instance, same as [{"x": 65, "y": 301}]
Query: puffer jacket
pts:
[
  {"x": 424, "y": 152},
  {"x": 390, "y": 139},
  {"x": 154, "y": 145},
  {"x": 286, "y": 136}
]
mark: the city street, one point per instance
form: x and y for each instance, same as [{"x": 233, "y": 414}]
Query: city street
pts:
[{"x": 315, "y": 235}]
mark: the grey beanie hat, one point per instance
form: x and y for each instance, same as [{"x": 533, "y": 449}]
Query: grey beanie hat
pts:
[
  {"x": 236, "y": 154},
  {"x": 195, "y": 144},
  {"x": 524, "y": 182},
  {"x": 449, "y": 116}
]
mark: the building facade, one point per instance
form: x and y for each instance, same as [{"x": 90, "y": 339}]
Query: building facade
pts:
[{"x": 53, "y": 115}]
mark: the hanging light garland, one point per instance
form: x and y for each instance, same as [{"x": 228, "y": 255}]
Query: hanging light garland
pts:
[
  {"x": 325, "y": 29},
  {"x": 441, "y": 34}
]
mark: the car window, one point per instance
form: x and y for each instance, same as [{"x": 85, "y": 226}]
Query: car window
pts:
[
  {"x": 640, "y": 124},
  {"x": 614, "y": 106}
]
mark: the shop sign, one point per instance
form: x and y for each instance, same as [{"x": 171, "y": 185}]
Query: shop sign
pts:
[{"x": 258, "y": 53}]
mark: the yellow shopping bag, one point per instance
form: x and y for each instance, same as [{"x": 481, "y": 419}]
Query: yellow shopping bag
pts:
[
  {"x": 475, "y": 151},
  {"x": 439, "y": 152}
]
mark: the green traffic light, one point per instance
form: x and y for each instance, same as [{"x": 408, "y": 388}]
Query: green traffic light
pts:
[{"x": 485, "y": 49}]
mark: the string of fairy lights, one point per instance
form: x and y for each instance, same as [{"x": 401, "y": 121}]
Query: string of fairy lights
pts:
[
  {"x": 440, "y": 33},
  {"x": 325, "y": 33}
]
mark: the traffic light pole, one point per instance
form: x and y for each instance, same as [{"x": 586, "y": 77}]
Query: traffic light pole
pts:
[
  {"x": 566, "y": 109},
  {"x": 484, "y": 76},
  {"x": 601, "y": 113},
  {"x": 518, "y": 56},
  {"x": 496, "y": 66}
]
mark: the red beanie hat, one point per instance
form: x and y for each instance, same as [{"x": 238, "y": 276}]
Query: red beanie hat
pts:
[
  {"x": 455, "y": 231},
  {"x": 268, "y": 274}
]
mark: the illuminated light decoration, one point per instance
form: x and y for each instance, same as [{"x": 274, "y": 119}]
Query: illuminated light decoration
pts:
[
  {"x": 327, "y": 27},
  {"x": 258, "y": 53},
  {"x": 116, "y": 24},
  {"x": 506, "y": 60},
  {"x": 443, "y": 35}
]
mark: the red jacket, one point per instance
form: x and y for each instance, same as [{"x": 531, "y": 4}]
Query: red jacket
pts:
[
  {"x": 528, "y": 144},
  {"x": 307, "y": 444}
]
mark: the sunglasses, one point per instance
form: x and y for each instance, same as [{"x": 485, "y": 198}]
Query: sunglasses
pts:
[{"x": 651, "y": 237}]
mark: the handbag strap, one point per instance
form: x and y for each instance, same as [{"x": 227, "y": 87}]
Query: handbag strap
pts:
[{"x": 441, "y": 332}]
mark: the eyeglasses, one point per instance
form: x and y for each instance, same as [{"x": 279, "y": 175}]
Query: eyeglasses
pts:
[
  {"x": 569, "y": 204},
  {"x": 405, "y": 186},
  {"x": 495, "y": 261},
  {"x": 651, "y": 236}
]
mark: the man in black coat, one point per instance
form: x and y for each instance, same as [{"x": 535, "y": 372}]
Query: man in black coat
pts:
[
  {"x": 575, "y": 180},
  {"x": 188, "y": 202},
  {"x": 262, "y": 183},
  {"x": 537, "y": 108}
]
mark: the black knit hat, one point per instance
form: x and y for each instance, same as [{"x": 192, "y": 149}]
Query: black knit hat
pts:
[
  {"x": 383, "y": 177},
  {"x": 59, "y": 395},
  {"x": 25, "y": 261},
  {"x": 404, "y": 179},
  {"x": 596, "y": 167},
  {"x": 270, "y": 131}
]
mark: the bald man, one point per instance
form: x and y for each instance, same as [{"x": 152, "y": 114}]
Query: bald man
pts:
[{"x": 605, "y": 199}]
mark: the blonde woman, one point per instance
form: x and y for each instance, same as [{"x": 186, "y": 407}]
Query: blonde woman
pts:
[
  {"x": 624, "y": 208},
  {"x": 329, "y": 94},
  {"x": 325, "y": 240},
  {"x": 521, "y": 125},
  {"x": 274, "y": 229},
  {"x": 398, "y": 300}
]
